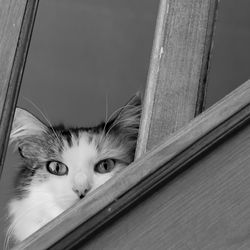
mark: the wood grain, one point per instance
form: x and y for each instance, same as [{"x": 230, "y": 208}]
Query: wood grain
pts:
[
  {"x": 205, "y": 207},
  {"x": 178, "y": 69},
  {"x": 145, "y": 174},
  {"x": 16, "y": 23}
]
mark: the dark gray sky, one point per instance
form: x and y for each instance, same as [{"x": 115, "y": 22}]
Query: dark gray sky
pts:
[{"x": 86, "y": 55}]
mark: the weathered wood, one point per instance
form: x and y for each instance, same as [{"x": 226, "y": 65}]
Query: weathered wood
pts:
[
  {"x": 177, "y": 75},
  {"x": 204, "y": 208},
  {"x": 16, "y": 22},
  {"x": 142, "y": 176}
]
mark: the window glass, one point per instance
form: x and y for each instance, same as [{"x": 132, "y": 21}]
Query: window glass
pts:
[
  {"x": 86, "y": 59},
  {"x": 231, "y": 53}
]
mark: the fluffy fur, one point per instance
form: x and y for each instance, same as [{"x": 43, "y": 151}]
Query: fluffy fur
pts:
[{"x": 42, "y": 195}]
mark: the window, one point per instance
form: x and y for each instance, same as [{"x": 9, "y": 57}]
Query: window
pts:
[{"x": 173, "y": 97}]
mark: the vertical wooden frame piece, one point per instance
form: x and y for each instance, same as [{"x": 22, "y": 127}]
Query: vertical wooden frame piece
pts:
[
  {"x": 177, "y": 74},
  {"x": 16, "y": 24}
]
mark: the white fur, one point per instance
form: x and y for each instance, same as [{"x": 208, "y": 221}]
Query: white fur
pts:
[
  {"x": 48, "y": 195},
  {"x": 46, "y": 200},
  {"x": 34, "y": 212}
]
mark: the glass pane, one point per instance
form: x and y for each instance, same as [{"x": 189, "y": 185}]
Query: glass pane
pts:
[
  {"x": 87, "y": 58},
  {"x": 231, "y": 53}
]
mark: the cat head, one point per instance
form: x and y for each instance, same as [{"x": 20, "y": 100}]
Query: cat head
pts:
[{"x": 68, "y": 163}]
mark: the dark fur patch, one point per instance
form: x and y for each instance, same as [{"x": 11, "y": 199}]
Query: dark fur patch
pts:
[
  {"x": 67, "y": 135},
  {"x": 23, "y": 180}
]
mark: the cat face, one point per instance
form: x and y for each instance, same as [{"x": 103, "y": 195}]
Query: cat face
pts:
[{"x": 66, "y": 164}]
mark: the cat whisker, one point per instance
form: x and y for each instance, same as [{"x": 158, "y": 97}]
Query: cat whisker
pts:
[
  {"x": 7, "y": 238},
  {"x": 45, "y": 117},
  {"x": 122, "y": 121},
  {"x": 112, "y": 116},
  {"x": 106, "y": 108},
  {"x": 106, "y": 116}
]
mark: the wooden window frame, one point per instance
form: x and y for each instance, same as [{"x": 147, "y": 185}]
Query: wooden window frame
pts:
[
  {"x": 155, "y": 165},
  {"x": 17, "y": 21}
]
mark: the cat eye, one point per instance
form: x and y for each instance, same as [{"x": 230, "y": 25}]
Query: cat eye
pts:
[
  {"x": 105, "y": 166},
  {"x": 57, "y": 168}
]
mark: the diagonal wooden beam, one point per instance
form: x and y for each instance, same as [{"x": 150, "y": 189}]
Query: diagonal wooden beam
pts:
[
  {"x": 140, "y": 178},
  {"x": 177, "y": 75},
  {"x": 16, "y": 23},
  {"x": 203, "y": 206}
]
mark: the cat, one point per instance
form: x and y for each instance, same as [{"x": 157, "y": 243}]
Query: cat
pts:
[{"x": 60, "y": 165}]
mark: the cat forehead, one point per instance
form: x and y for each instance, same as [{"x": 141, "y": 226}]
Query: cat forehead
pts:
[
  {"x": 78, "y": 148},
  {"x": 85, "y": 146}
]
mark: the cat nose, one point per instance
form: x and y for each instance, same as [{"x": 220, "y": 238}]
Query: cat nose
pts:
[
  {"x": 81, "y": 185},
  {"x": 81, "y": 193}
]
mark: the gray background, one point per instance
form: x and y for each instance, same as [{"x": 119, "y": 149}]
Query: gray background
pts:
[{"x": 88, "y": 55}]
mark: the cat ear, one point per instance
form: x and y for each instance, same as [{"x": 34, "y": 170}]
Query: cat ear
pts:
[
  {"x": 25, "y": 124},
  {"x": 128, "y": 119}
]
